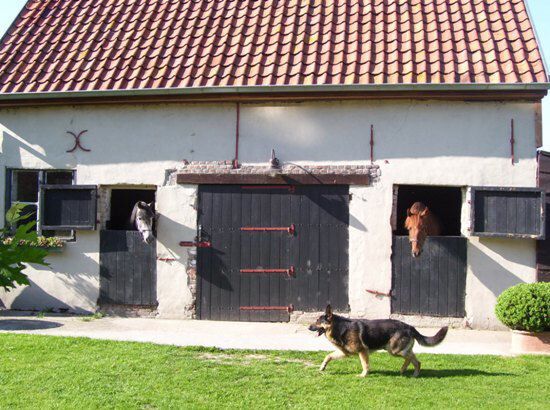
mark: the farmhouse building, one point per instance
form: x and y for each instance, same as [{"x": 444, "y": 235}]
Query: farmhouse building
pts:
[{"x": 282, "y": 143}]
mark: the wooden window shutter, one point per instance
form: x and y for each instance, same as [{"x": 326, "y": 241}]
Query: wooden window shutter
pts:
[
  {"x": 68, "y": 207},
  {"x": 508, "y": 212}
]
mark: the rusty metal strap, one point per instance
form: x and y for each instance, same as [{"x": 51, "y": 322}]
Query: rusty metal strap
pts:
[
  {"x": 378, "y": 293},
  {"x": 290, "y": 229},
  {"x": 289, "y": 308},
  {"x": 290, "y": 271}
]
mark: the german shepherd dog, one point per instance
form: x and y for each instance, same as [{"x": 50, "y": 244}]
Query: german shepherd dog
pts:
[{"x": 360, "y": 336}]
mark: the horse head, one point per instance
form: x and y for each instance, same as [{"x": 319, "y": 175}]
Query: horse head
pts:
[
  {"x": 143, "y": 218},
  {"x": 418, "y": 225}
]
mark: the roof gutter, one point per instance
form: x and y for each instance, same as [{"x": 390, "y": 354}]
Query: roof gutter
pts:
[{"x": 242, "y": 90}]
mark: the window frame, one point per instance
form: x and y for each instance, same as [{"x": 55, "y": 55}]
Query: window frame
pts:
[
  {"x": 42, "y": 180},
  {"x": 93, "y": 212},
  {"x": 482, "y": 234}
]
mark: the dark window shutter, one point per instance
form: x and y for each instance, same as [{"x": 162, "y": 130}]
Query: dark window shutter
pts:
[
  {"x": 508, "y": 212},
  {"x": 68, "y": 207}
]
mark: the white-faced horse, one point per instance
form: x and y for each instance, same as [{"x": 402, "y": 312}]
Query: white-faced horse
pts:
[{"x": 143, "y": 219}]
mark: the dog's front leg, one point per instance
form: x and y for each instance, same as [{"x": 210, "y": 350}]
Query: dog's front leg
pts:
[
  {"x": 331, "y": 356},
  {"x": 364, "y": 357}
]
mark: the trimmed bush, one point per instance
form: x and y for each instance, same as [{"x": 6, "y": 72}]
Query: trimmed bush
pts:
[{"x": 525, "y": 307}]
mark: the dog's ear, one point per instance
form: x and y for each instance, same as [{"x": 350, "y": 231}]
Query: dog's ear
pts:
[
  {"x": 425, "y": 212},
  {"x": 328, "y": 312},
  {"x": 409, "y": 212}
]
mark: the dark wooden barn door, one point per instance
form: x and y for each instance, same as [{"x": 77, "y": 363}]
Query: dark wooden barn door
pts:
[
  {"x": 272, "y": 247},
  {"x": 543, "y": 246},
  {"x": 128, "y": 270},
  {"x": 433, "y": 284}
]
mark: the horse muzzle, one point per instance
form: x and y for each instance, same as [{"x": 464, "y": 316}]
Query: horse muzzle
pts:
[{"x": 148, "y": 237}]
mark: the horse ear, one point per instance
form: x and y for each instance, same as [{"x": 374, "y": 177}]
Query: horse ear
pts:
[
  {"x": 328, "y": 312},
  {"x": 409, "y": 212},
  {"x": 425, "y": 212},
  {"x": 150, "y": 205}
]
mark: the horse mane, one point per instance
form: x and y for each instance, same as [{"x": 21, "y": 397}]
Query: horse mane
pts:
[
  {"x": 417, "y": 208},
  {"x": 133, "y": 215}
]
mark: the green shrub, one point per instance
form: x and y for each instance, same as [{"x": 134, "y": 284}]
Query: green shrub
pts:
[
  {"x": 525, "y": 307},
  {"x": 17, "y": 251}
]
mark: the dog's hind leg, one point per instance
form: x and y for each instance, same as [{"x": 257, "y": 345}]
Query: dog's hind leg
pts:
[
  {"x": 403, "y": 347},
  {"x": 415, "y": 363},
  {"x": 331, "y": 356},
  {"x": 405, "y": 365},
  {"x": 364, "y": 357}
]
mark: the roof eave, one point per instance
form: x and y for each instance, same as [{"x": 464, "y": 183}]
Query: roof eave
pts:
[{"x": 271, "y": 90}]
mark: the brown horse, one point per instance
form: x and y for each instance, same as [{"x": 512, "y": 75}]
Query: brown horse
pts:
[{"x": 420, "y": 223}]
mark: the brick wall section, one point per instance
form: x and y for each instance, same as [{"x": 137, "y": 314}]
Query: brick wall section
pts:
[{"x": 226, "y": 168}]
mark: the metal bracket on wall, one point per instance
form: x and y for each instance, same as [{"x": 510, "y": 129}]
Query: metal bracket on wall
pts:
[
  {"x": 290, "y": 272},
  {"x": 201, "y": 244},
  {"x": 290, "y": 229},
  {"x": 512, "y": 140},
  {"x": 289, "y": 308},
  {"x": 378, "y": 293},
  {"x": 372, "y": 144},
  {"x": 77, "y": 143}
]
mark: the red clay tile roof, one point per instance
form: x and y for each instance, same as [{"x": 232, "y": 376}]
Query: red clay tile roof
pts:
[{"x": 78, "y": 45}]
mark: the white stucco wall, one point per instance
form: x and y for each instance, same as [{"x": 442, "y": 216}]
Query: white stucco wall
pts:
[{"x": 416, "y": 142}]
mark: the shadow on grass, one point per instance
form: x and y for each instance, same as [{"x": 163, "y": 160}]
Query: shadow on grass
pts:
[
  {"x": 431, "y": 373},
  {"x": 26, "y": 324}
]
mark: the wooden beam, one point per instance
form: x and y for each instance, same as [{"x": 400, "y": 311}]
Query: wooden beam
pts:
[
  {"x": 278, "y": 179},
  {"x": 488, "y": 95}
]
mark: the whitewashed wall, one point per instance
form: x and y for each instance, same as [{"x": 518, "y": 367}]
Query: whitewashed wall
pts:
[{"x": 440, "y": 143}]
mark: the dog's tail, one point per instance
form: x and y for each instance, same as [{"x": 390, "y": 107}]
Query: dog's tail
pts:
[{"x": 430, "y": 341}]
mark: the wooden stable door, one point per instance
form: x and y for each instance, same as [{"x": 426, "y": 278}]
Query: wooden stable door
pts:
[
  {"x": 272, "y": 249},
  {"x": 128, "y": 270},
  {"x": 432, "y": 284}
]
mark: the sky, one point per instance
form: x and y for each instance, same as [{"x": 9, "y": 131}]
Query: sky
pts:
[{"x": 540, "y": 11}]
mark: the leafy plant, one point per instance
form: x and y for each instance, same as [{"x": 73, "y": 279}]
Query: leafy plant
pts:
[
  {"x": 40, "y": 242},
  {"x": 95, "y": 316},
  {"x": 15, "y": 253},
  {"x": 525, "y": 307}
]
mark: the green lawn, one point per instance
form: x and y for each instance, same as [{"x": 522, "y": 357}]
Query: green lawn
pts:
[{"x": 48, "y": 372}]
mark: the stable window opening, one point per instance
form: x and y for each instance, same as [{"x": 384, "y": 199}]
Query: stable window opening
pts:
[{"x": 443, "y": 202}]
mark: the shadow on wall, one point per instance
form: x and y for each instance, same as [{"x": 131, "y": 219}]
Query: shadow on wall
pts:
[
  {"x": 341, "y": 131},
  {"x": 214, "y": 265},
  {"x": 324, "y": 132},
  {"x": 33, "y": 297},
  {"x": 489, "y": 270},
  {"x": 198, "y": 132},
  {"x": 12, "y": 146},
  {"x": 68, "y": 283}
]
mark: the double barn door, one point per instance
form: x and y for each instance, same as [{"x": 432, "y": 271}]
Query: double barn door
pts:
[{"x": 270, "y": 250}]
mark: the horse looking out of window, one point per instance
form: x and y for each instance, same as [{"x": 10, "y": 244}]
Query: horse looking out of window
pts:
[
  {"x": 420, "y": 223},
  {"x": 143, "y": 219}
]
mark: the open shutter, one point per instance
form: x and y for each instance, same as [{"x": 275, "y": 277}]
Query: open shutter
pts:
[
  {"x": 508, "y": 212},
  {"x": 68, "y": 207}
]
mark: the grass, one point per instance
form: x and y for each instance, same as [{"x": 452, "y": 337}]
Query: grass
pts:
[
  {"x": 95, "y": 316},
  {"x": 51, "y": 372}
]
